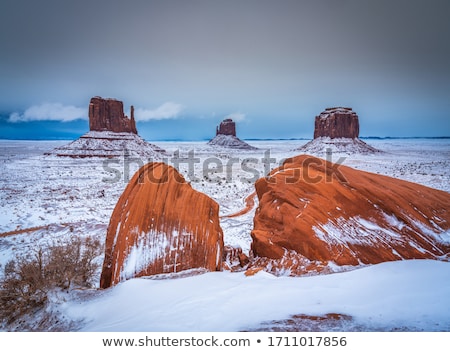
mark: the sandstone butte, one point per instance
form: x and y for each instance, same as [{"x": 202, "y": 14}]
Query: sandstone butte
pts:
[
  {"x": 315, "y": 216},
  {"x": 107, "y": 115},
  {"x": 161, "y": 225},
  {"x": 337, "y": 122},
  {"x": 337, "y": 130},
  {"x": 227, "y": 127},
  {"x": 226, "y": 137}
]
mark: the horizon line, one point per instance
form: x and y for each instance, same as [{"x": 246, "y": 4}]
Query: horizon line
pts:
[{"x": 245, "y": 139}]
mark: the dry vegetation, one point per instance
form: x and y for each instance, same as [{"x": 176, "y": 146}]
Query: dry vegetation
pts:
[{"x": 29, "y": 280}]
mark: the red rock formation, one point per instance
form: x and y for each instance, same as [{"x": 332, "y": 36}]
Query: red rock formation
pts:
[
  {"x": 161, "y": 225},
  {"x": 108, "y": 115},
  {"x": 226, "y": 136},
  {"x": 234, "y": 259},
  {"x": 227, "y": 127},
  {"x": 337, "y": 123},
  {"x": 313, "y": 213}
]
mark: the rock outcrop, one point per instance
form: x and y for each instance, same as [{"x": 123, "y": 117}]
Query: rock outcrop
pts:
[
  {"x": 108, "y": 115},
  {"x": 337, "y": 130},
  {"x": 234, "y": 259},
  {"x": 112, "y": 135},
  {"x": 337, "y": 123},
  {"x": 227, "y": 127},
  {"x": 161, "y": 225},
  {"x": 226, "y": 137},
  {"x": 108, "y": 144},
  {"x": 314, "y": 216}
]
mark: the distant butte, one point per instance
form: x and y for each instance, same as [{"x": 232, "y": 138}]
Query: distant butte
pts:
[
  {"x": 108, "y": 115},
  {"x": 161, "y": 225},
  {"x": 227, "y": 127},
  {"x": 315, "y": 216},
  {"x": 337, "y": 129},
  {"x": 337, "y": 122},
  {"x": 112, "y": 134},
  {"x": 226, "y": 136}
]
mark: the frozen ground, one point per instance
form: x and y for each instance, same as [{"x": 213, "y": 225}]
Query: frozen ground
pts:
[{"x": 48, "y": 198}]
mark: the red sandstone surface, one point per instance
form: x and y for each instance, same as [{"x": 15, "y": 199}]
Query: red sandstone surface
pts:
[
  {"x": 314, "y": 215},
  {"x": 161, "y": 225}
]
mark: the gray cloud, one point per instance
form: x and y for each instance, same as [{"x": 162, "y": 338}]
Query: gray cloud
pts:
[
  {"x": 49, "y": 112},
  {"x": 288, "y": 58},
  {"x": 168, "y": 110}
]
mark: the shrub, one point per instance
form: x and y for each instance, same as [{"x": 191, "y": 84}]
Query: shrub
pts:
[{"x": 28, "y": 279}]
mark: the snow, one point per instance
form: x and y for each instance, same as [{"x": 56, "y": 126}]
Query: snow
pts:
[
  {"x": 150, "y": 247},
  {"x": 48, "y": 198},
  {"x": 338, "y": 145},
  {"x": 354, "y": 230},
  {"x": 410, "y": 295},
  {"x": 228, "y": 141}
]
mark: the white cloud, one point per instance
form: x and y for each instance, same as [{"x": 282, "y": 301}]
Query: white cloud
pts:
[
  {"x": 236, "y": 116},
  {"x": 168, "y": 110},
  {"x": 49, "y": 112}
]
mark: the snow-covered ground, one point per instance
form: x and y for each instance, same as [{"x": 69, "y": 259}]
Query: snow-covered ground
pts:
[
  {"x": 409, "y": 295},
  {"x": 49, "y": 198}
]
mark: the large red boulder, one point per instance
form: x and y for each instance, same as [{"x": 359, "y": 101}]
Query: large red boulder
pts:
[
  {"x": 108, "y": 115},
  {"x": 316, "y": 215},
  {"x": 161, "y": 225}
]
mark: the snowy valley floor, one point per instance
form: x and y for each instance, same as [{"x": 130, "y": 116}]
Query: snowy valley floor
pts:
[{"x": 44, "y": 199}]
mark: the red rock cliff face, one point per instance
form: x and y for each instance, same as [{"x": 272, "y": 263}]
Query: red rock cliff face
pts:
[
  {"x": 313, "y": 213},
  {"x": 337, "y": 123},
  {"x": 108, "y": 115},
  {"x": 161, "y": 225},
  {"x": 227, "y": 127}
]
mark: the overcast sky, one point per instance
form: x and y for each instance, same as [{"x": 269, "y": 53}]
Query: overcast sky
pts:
[{"x": 185, "y": 65}]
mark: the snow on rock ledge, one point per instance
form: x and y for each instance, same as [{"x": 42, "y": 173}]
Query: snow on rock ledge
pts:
[
  {"x": 106, "y": 144},
  {"x": 161, "y": 225},
  {"x": 317, "y": 216},
  {"x": 112, "y": 134},
  {"x": 337, "y": 130},
  {"x": 229, "y": 141},
  {"x": 324, "y": 145}
]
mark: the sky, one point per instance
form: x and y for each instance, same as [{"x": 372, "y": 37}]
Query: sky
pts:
[{"x": 187, "y": 64}]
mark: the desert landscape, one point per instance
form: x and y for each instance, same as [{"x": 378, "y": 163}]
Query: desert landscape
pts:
[
  {"x": 225, "y": 166},
  {"x": 354, "y": 238}
]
